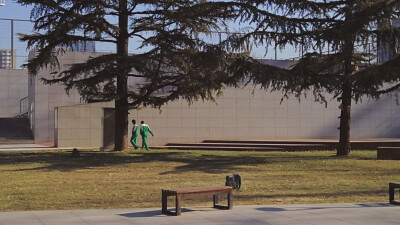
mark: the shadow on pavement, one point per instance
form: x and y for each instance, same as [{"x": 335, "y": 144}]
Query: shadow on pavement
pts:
[
  {"x": 152, "y": 213},
  {"x": 359, "y": 205},
  {"x": 271, "y": 209},
  {"x": 146, "y": 214}
]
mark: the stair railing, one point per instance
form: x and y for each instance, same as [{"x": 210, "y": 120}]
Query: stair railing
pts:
[{"x": 23, "y": 105}]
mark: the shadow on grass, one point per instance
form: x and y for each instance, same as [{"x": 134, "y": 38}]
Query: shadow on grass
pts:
[
  {"x": 193, "y": 161},
  {"x": 215, "y": 163},
  {"x": 63, "y": 161}
]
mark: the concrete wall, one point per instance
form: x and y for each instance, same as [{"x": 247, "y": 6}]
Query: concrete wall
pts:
[
  {"x": 13, "y": 87},
  {"x": 237, "y": 114},
  {"x": 242, "y": 113},
  {"x": 43, "y": 99},
  {"x": 80, "y": 125}
]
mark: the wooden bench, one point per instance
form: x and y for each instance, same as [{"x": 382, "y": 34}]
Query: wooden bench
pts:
[
  {"x": 388, "y": 153},
  {"x": 392, "y": 186},
  {"x": 195, "y": 191}
]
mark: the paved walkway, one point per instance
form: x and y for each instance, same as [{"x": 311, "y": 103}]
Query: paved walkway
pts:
[
  {"x": 321, "y": 214},
  {"x": 24, "y": 147},
  {"x": 33, "y": 147}
]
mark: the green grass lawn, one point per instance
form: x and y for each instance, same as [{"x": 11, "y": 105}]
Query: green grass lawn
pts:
[{"x": 55, "y": 180}]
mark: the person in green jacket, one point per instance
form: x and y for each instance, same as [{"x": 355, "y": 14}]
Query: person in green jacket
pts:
[
  {"x": 144, "y": 132},
  {"x": 135, "y": 134}
]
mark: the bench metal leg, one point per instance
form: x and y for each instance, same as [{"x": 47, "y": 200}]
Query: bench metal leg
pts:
[
  {"x": 392, "y": 187},
  {"x": 178, "y": 204},
  {"x": 215, "y": 200},
  {"x": 164, "y": 201},
  {"x": 391, "y": 193},
  {"x": 230, "y": 200}
]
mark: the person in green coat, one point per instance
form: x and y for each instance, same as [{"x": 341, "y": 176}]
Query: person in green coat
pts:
[
  {"x": 144, "y": 132},
  {"x": 135, "y": 134}
]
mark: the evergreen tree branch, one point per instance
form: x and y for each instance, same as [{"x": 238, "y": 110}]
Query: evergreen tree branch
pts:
[{"x": 372, "y": 80}]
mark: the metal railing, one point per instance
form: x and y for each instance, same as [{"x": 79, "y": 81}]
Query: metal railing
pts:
[{"x": 23, "y": 105}]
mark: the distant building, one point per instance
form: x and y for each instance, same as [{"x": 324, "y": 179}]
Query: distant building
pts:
[
  {"x": 82, "y": 46},
  {"x": 388, "y": 47},
  {"x": 7, "y": 59}
]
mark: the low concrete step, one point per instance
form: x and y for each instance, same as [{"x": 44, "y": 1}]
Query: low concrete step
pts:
[
  {"x": 317, "y": 141},
  {"x": 220, "y": 148},
  {"x": 241, "y": 144},
  {"x": 323, "y": 144},
  {"x": 282, "y": 145},
  {"x": 255, "y": 146}
]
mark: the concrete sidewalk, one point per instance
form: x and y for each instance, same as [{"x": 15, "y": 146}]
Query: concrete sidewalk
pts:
[
  {"x": 33, "y": 147},
  {"x": 24, "y": 147},
  {"x": 321, "y": 214}
]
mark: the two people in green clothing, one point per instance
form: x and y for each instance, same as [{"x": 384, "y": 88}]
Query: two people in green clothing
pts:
[{"x": 144, "y": 132}]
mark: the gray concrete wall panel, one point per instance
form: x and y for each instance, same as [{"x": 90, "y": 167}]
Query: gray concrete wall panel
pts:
[{"x": 13, "y": 87}]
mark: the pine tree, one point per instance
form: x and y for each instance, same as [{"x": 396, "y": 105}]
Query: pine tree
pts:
[
  {"x": 345, "y": 28},
  {"x": 173, "y": 58}
]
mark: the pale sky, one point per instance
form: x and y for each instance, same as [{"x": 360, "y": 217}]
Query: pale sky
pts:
[{"x": 13, "y": 10}]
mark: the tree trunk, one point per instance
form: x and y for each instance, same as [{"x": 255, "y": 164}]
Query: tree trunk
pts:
[
  {"x": 121, "y": 115},
  {"x": 121, "y": 101},
  {"x": 344, "y": 141},
  {"x": 348, "y": 50}
]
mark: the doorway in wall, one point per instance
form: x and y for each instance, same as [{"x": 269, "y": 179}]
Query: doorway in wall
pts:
[{"x": 109, "y": 129}]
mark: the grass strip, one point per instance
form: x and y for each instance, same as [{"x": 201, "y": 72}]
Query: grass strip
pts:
[{"x": 48, "y": 180}]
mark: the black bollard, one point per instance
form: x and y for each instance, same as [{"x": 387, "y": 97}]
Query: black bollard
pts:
[{"x": 75, "y": 153}]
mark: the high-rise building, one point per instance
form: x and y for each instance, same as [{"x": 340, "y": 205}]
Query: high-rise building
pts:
[{"x": 7, "y": 59}]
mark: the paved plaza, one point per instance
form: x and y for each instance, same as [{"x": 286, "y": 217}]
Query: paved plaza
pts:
[{"x": 321, "y": 214}]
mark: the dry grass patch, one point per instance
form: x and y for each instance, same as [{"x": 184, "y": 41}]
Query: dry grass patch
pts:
[{"x": 55, "y": 180}]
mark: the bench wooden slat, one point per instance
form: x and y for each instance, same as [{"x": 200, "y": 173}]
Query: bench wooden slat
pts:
[{"x": 198, "y": 189}]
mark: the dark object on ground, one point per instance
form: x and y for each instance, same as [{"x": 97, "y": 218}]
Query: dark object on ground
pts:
[
  {"x": 392, "y": 186},
  {"x": 388, "y": 153},
  {"x": 234, "y": 180},
  {"x": 75, "y": 153},
  {"x": 205, "y": 190}
]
